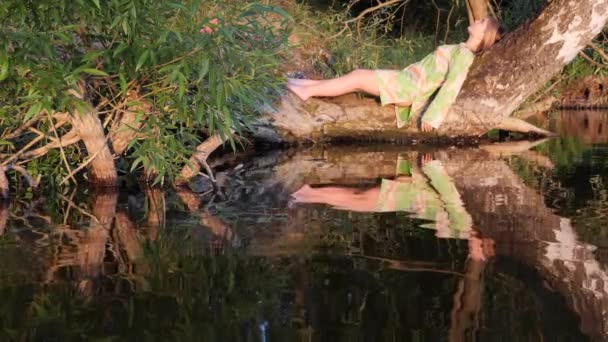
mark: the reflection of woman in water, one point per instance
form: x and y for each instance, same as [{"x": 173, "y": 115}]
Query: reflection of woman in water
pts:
[
  {"x": 411, "y": 88},
  {"x": 427, "y": 193}
]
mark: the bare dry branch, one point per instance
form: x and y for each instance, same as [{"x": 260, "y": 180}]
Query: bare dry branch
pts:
[
  {"x": 63, "y": 157},
  {"x": 590, "y": 60},
  {"x": 31, "y": 181},
  {"x": 599, "y": 51},
  {"x": 23, "y": 150},
  {"x": 67, "y": 139},
  {"x": 23, "y": 127}
]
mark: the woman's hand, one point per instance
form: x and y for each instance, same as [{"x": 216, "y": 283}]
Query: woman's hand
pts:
[{"x": 213, "y": 26}]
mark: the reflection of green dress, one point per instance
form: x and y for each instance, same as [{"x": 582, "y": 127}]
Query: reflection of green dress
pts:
[
  {"x": 430, "y": 196},
  {"x": 445, "y": 69}
]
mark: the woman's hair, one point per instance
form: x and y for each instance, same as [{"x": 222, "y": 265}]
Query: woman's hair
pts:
[{"x": 494, "y": 32}]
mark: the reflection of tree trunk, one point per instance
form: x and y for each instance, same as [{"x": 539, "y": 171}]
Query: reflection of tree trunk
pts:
[
  {"x": 127, "y": 236},
  {"x": 220, "y": 231},
  {"x": 591, "y": 127},
  {"x": 503, "y": 208},
  {"x": 155, "y": 200},
  {"x": 3, "y": 183},
  {"x": 467, "y": 301},
  {"x": 93, "y": 242}
]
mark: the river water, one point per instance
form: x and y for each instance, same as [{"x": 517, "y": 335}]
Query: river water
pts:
[{"x": 504, "y": 242}]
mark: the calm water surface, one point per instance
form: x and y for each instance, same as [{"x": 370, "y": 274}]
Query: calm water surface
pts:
[{"x": 506, "y": 242}]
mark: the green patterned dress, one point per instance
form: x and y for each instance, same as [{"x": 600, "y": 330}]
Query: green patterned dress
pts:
[
  {"x": 430, "y": 195},
  {"x": 411, "y": 89}
]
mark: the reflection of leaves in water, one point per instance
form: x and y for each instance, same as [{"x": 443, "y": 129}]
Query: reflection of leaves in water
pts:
[
  {"x": 186, "y": 292},
  {"x": 577, "y": 187},
  {"x": 564, "y": 151}
]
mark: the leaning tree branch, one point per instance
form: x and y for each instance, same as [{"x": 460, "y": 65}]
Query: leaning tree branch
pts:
[
  {"x": 358, "y": 18},
  {"x": 599, "y": 51},
  {"x": 67, "y": 139},
  {"x": 30, "y": 180},
  {"x": 590, "y": 60},
  {"x": 199, "y": 159},
  {"x": 23, "y": 150},
  {"x": 29, "y": 123},
  {"x": 63, "y": 157}
]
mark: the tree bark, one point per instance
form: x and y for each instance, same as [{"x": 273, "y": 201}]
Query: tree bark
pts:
[
  {"x": 199, "y": 159},
  {"x": 497, "y": 84},
  {"x": 102, "y": 171},
  {"x": 3, "y": 183},
  {"x": 501, "y": 79},
  {"x": 4, "y": 214},
  {"x": 130, "y": 122},
  {"x": 477, "y": 9}
]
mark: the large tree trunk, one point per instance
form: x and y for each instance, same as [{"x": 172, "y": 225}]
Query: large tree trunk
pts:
[
  {"x": 130, "y": 122},
  {"x": 102, "y": 171},
  {"x": 500, "y": 80},
  {"x": 477, "y": 9},
  {"x": 497, "y": 84},
  {"x": 3, "y": 183}
]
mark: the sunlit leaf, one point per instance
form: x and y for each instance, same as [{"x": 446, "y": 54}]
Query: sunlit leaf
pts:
[
  {"x": 94, "y": 72},
  {"x": 142, "y": 59}
]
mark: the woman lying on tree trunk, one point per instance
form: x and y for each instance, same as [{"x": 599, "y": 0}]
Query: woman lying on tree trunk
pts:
[{"x": 411, "y": 89}]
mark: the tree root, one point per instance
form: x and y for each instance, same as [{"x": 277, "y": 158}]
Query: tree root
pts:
[{"x": 521, "y": 126}]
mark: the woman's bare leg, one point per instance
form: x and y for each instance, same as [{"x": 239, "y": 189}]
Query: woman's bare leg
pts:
[
  {"x": 302, "y": 81},
  {"x": 357, "y": 80},
  {"x": 340, "y": 198}
]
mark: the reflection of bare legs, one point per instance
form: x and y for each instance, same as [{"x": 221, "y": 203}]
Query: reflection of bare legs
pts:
[
  {"x": 342, "y": 198},
  {"x": 357, "y": 80}
]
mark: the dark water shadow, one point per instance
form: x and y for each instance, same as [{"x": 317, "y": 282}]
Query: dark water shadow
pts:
[{"x": 396, "y": 244}]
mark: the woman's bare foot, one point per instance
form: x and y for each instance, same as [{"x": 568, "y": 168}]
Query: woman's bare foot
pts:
[
  {"x": 425, "y": 127},
  {"x": 299, "y": 90},
  {"x": 302, "y": 195}
]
